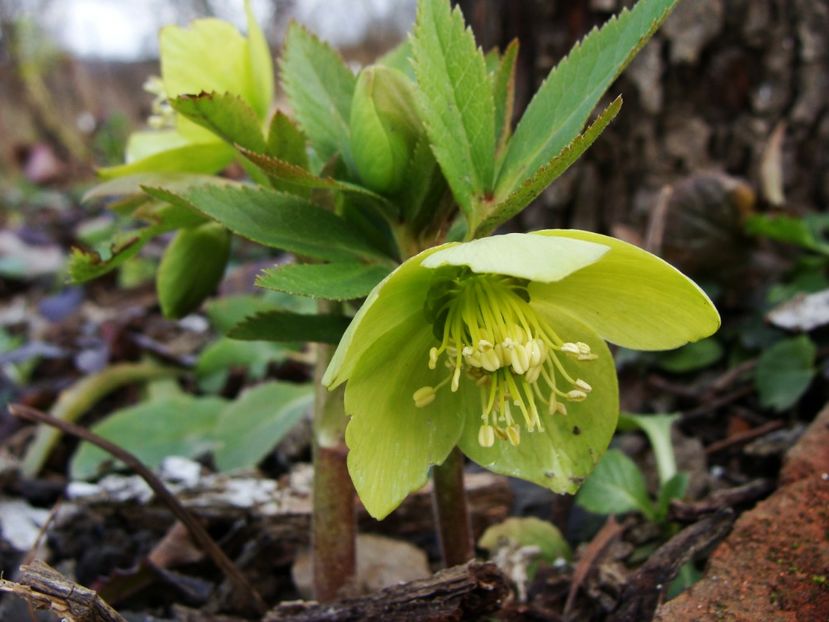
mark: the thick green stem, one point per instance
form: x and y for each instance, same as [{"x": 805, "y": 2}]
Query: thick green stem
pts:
[
  {"x": 451, "y": 514},
  {"x": 334, "y": 519}
]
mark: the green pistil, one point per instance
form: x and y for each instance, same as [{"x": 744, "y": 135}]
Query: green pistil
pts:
[{"x": 492, "y": 336}]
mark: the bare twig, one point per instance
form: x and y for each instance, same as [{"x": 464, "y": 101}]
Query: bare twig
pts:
[
  {"x": 197, "y": 531},
  {"x": 707, "y": 408},
  {"x": 45, "y": 588},
  {"x": 687, "y": 512},
  {"x": 469, "y": 592},
  {"x": 647, "y": 586},
  {"x": 744, "y": 437},
  {"x": 598, "y": 545}
]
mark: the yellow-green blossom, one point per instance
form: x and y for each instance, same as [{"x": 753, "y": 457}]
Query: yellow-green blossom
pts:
[
  {"x": 498, "y": 346},
  {"x": 210, "y": 55}
]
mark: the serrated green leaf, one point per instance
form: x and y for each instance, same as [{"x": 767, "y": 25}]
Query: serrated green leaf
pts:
[
  {"x": 530, "y": 187},
  {"x": 504, "y": 93},
  {"x": 257, "y": 420},
  {"x": 227, "y": 311},
  {"x": 785, "y": 371},
  {"x": 332, "y": 281},
  {"x": 319, "y": 86},
  {"x": 616, "y": 486},
  {"x": 85, "y": 266},
  {"x": 286, "y": 141},
  {"x": 560, "y": 108},
  {"x": 291, "y": 327},
  {"x": 226, "y": 115},
  {"x": 296, "y": 180},
  {"x": 172, "y": 426},
  {"x": 277, "y": 220},
  {"x": 455, "y": 100},
  {"x": 191, "y": 268},
  {"x": 426, "y": 193}
]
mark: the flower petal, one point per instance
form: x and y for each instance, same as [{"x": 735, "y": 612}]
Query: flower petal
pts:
[
  {"x": 565, "y": 452},
  {"x": 400, "y": 296},
  {"x": 631, "y": 297},
  {"x": 392, "y": 443},
  {"x": 523, "y": 255}
]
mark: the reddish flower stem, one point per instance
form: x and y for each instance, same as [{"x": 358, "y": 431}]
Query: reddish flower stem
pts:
[
  {"x": 451, "y": 514},
  {"x": 333, "y": 528}
]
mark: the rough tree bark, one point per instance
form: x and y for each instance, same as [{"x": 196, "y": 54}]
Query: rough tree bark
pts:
[{"x": 707, "y": 93}]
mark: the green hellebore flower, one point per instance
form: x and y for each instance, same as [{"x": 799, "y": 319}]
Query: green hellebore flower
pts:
[
  {"x": 498, "y": 346},
  {"x": 191, "y": 62}
]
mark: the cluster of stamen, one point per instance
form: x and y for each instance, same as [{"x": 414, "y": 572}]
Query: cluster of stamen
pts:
[
  {"x": 493, "y": 337},
  {"x": 163, "y": 116}
]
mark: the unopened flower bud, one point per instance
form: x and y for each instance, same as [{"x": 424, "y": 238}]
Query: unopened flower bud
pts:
[{"x": 384, "y": 127}]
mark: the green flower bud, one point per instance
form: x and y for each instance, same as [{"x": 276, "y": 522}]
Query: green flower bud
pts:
[{"x": 384, "y": 127}]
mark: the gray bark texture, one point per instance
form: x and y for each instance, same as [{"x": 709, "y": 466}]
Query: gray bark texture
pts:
[{"x": 727, "y": 104}]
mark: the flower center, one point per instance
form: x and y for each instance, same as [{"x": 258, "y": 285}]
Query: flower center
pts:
[{"x": 490, "y": 335}]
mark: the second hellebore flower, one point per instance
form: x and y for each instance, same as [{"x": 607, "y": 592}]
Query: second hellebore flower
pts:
[{"x": 498, "y": 346}]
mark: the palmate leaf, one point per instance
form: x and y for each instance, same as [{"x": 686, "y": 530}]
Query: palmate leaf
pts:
[
  {"x": 275, "y": 219},
  {"x": 560, "y": 108},
  {"x": 502, "y": 209},
  {"x": 319, "y": 86},
  {"x": 455, "y": 101},
  {"x": 224, "y": 114},
  {"x": 332, "y": 281}
]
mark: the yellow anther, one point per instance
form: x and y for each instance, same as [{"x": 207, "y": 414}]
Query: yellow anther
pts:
[
  {"x": 532, "y": 374},
  {"x": 519, "y": 359},
  {"x": 514, "y": 435},
  {"x": 433, "y": 358},
  {"x": 537, "y": 354},
  {"x": 424, "y": 396},
  {"x": 486, "y": 436},
  {"x": 581, "y": 384},
  {"x": 490, "y": 360},
  {"x": 576, "y": 395},
  {"x": 492, "y": 336}
]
